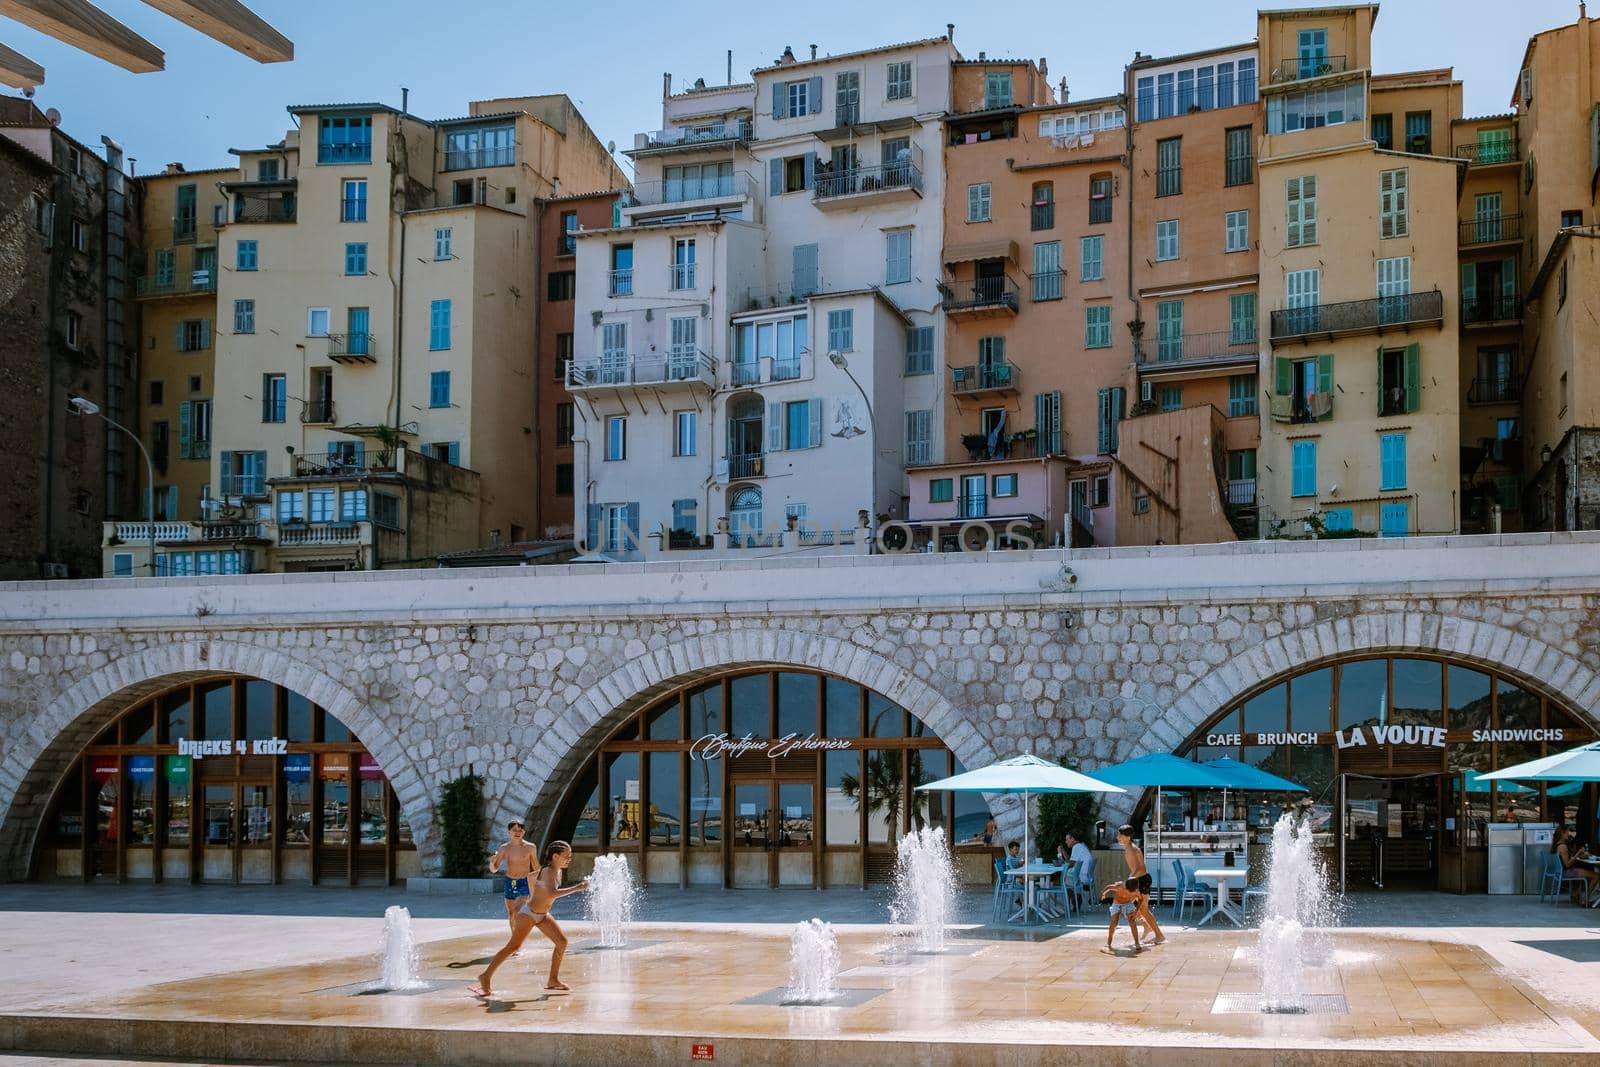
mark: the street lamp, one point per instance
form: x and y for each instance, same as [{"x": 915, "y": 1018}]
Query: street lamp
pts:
[
  {"x": 78, "y": 405},
  {"x": 838, "y": 360}
]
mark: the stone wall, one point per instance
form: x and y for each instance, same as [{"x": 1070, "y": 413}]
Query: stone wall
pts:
[{"x": 519, "y": 673}]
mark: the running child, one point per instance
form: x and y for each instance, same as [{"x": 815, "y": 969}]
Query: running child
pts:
[
  {"x": 521, "y": 862},
  {"x": 1124, "y": 900},
  {"x": 535, "y": 912}
]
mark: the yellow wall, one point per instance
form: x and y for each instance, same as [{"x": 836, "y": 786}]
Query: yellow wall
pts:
[
  {"x": 1349, "y": 34},
  {"x": 1175, "y": 458}
]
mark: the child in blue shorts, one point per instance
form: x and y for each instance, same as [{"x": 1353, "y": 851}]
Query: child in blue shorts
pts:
[{"x": 1123, "y": 897}]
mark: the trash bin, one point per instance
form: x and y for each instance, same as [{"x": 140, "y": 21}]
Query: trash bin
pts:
[{"x": 1506, "y": 858}]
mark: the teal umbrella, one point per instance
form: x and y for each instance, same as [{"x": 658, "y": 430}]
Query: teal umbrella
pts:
[
  {"x": 1571, "y": 789},
  {"x": 1162, "y": 770},
  {"x": 1581, "y": 764},
  {"x": 1243, "y": 777},
  {"x": 1479, "y": 783}
]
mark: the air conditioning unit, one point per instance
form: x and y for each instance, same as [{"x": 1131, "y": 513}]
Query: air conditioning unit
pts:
[{"x": 1147, "y": 391}]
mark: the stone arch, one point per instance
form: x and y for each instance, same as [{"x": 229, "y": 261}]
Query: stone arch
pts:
[
  {"x": 536, "y": 790},
  {"x": 69, "y": 719},
  {"x": 1533, "y": 662}
]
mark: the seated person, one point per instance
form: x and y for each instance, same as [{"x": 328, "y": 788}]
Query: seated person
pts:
[
  {"x": 1078, "y": 859},
  {"x": 1014, "y": 857},
  {"x": 1561, "y": 845}
]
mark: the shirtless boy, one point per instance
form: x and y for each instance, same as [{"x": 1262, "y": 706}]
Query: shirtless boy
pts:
[
  {"x": 521, "y": 862},
  {"x": 1137, "y": 871},
  {"x": 1124, "y": 900},
  {"x": 535, "y": 912}
]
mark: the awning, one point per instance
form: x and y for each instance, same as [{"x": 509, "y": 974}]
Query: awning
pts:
[
  {"x": 981, "y": 250},
  {"x": 866, "y": 130}
]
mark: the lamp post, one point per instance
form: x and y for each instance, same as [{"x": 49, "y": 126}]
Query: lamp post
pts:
[
  {"x": 78, "y": 405},
  {"x": 838, "y": 360}
]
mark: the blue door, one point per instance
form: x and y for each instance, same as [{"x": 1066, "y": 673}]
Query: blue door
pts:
[{"x": 1395, "y": 520}]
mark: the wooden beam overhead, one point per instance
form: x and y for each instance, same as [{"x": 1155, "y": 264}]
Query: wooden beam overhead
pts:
[
  {"x": 18, "y": 71},
  {"x": 232, "y": 24},
  {"x": 87, "y": 28}
]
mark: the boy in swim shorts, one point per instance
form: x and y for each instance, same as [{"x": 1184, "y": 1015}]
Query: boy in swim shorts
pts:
[
  {"x": 1125, "y": 903},
  {"x": 521, "y": 863}
]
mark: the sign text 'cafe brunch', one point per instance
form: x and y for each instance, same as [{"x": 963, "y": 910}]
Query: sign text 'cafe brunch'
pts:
[{"x": 1392, "y": 735}]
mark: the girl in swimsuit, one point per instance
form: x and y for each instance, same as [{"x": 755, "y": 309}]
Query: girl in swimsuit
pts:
[{"x": 535, "y": 912}]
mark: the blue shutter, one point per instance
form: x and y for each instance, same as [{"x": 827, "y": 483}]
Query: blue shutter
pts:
[
  {"x": 811, "y": 169},
  {"x": 260, "y": 479},
  {"x": 774, "y": 427},
  {"x": 185, "y": 430},
  {"x": 1395, "y": 520},
  {"x": 774, "y": 177},
  {"x": 592, "y": 539},
  {"x": 779, "y": 90},
  {"x": 1337, "y": 520},
  {"x": 172, "y": 502},
  {"x": 805, "y": 270},
  {"x": 814, "y": 426},
  {"x": 1304, "y": 466},
  {"x": 814, "y": 95},
  {"x": 632, "y": 537},
  {"x": 227, "y": 474},
  {"x": 453, "y": 455},
  {"x": 1392, "y": 457}
]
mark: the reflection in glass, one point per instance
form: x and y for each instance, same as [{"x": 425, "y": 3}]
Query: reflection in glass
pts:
[
  {"x": 1418, "y": 692},
  {"x": 705, "y": 801},
  {"x": 257, "y": 825},
  {"x": 105, "y": 786},
  {"x": 297, "y": 799},
  {"x": 705, "y": 710},
  {"x": 796, "y": 818},
  {"x": 927, "y": 765},
  {"x": 885, "y": 800},
  {"x": 797, "y": 703},
  {"x": 1228, "y": 724},
  {"x": 335, "y": 798},
  {"x": 750, "y": 814},
  {"x": 374, "y": 813},
  {"x": 843, "y": 816},
  {"x": 175, "y": 714},
  {"x": 1267, "y": 712},
  {"x": 623, "y": 801},
  {"x": 1469, "y": 699},
  {"x": 1517, "y": 709},
  {"x": 216, "y": 710},
  {"x": 751, "y": 700},
  {"x": 1363, "y": 693},
  {"x": 1311, "y": 702},
  {"x": 1312, "y": 767},
  {"x": 141, "y": 800},
  {"x": 666, "y": 779},
  {"x": 258, "y": 709},
  {"x": 661, "y": 723},
  {"x": 139, "y": 726},
  {"x": 843, "y": 708},
  {"x": 334, "y": 731},
  {"x": 297, "y": 726},
  {"x": 585, "y": 821},
  {"x": 885, "y": 718},
  {"x": 219, "y": 814},
  {"x": 177, "y": 771},
  {"x": 971, "y": 812},
  {"x": 1263, "y": 809}
]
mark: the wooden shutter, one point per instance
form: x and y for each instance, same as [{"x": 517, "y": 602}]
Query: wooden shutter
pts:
[
  {"x": 1103, "y": 423},
  {"x": 780, "y": 92},
  {"x": 227, "y": 474},
  {"x": 1413, "y": 377},
  {"x": 172, "y": 502},
  {"x": 1508, "y": 280},
  {"x": 810, "y": 170},
  {"x": 632, "y": 537},
  {"x": 1283, "y": 373},
  {"x": 805, "y": 270},
  {"x": 774, "y": 177},
  {"x": 1469, "y": 282},
  {"x": 814, "y": 426},
  {"x": 814, "y": 95},
  {"x": 185, "y": 430},
  {"x": 775, "y": 427},
  {"x": 1325, "y": 383},
  {"x": 1047, "y": 422}
]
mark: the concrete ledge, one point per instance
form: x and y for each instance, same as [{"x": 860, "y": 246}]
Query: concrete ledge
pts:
[{"x": 439, "y": 887}]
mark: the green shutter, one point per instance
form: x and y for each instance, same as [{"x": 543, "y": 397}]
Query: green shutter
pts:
[
  {"x": 1285, "y": 376},
  {"x": 227, "y": 474},
  {"x": 1379, "y": 390},
  {"x": 1469, "y": 281},
  {"x": 1413, "y": 377},
  {"x": 1508, "y": 279},
  {"x": 1325, "y": 382}
]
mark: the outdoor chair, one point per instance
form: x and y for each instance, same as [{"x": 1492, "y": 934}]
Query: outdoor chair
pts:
[
  {"x": 1556, "y": 879},
  {"x": 1257, "y": 893},
  {"x": 1183, "y": 889},
  {"x": 1061, "y": 892},
  {"x": 1082, "y": 885},
  {"x": 1007, "y": 892}
]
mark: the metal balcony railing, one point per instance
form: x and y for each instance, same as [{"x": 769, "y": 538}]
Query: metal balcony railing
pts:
[
  {"x": 1487, "y": 153},
  {"x": 344, "y": 152},
  {"x": 746, "y": 465},
  {"x": 1292, "y": 70},
  {"x": 351, "y": 347},
  {"x": 682, "y": 191},
  {"x": 979, "y": 295},
  {"x": 611, "y": 370},
  {"x": 1480, "y": 309},
  {"x": 1355, "y": 316},
  {"x": 887, "y": 177},
  {"x": 972, "y": 506},
  {"x": 1490, "y": 229},
  {"x": 1494, "y": 391},
  {"x": 353, "y": 209},
  {"x": 619, "y": 282},
  {"x": 344, "y": 466},
  {"x": 985, "y": 377},
  {"x": 1026, "y": 444},
  {"x": 317, "y": 412},
  {"x": 1215, "y": 345},
  {"x": 1169, "y": 181},
  {"x": 177, "y": 284},
  {"x": 1242, "y": 491},
  {"x": 1048, "y": 285},
  {"x": 676, "y": 136},
  {"x": 680, "y": 276},
  {"x": 252, "y": 209},
  {"x": 472, "y": 158}
]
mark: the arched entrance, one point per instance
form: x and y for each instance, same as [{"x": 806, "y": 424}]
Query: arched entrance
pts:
[
  {"x": 767, "y": 778},
  {"x": 1390, "y": 747},
  {"x": 229, "y": 780}
]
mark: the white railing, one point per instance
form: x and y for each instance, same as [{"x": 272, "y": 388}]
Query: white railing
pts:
[
  {"x": 679, "y": 366},
  {"x": 319, "y": 533},
  {"x": 139, "y": 532}
]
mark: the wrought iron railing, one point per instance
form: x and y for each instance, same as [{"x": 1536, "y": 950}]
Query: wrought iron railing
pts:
[
  {"x": 176, "y": 284},
  {"x": 344, "y": 346},
  {"x": 1240, "y": 170},
  {"x": 348, "y": 465},
  {"x": 689, "y": 135},
  {"x": 1487, "y": 153},
  {"x": 344, "y": 152},
  {"x": 620, "y": 282},
  {"x": 185, "y": 231},
  {"x": 1022, "y": 445},
  {"x": 251, "y": 209},
  {"x": 1356, "y": 315},
  {"x": 1479, "y": 309},
  {"x": 1047, "y": 285},
  {"x": 644, "y": 368},
  {"x": 1494, "y": 391},
  {"x": 678, "y": 191},
  {"x": 353, "y": 209},
  {"x": 1489, "y": 229},
  {"x": 317, "y": 412},
  {"x": 746, "y": 465},
  {"x": 681, "y": 276},
  {"x": 972, "y": 506},
  {"x": 976, "y": 296},
  {"x": 985, "y": 376},
  {"x": 1169, "y": 181},
  {"x": 472, "y": 158},
  {"x": 1292, "y": 70},
  {"x": 1242, "y": 491},
  {"x": 1202, "y": 347},
  {"x": 1043, "y": 216},
  {"x": 886, "y": 177}
]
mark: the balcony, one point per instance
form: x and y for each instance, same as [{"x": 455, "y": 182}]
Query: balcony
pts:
[
  {"x": 688, "y": 368},
  {"x": 711, "y": 195},
  {"x": 988, "y": 296},
  {"x": 1485, "y": 310},
  {"x": 317, "y": 413},
  {"x": 138, "y": 533},
  {"x": 294, "y": 534},
  {"x": 1490, "y": 230},
  {"x": 347, "y": 465},
  {"x": 1024, "y": 444},
  {"x": 972, "y": 506},
  {"x": 688, "y": 137},
  {"x": 1299, "y": 70},
  {"x": 746, "y": 465},
  {"x": 249, "y": 210},
  {"x": 232, "y": 531},
  {"x": 351, "y": 348},
  {"x": 194, "y": 283},
  {"x": 1048, "y": 285},
  {"x": 680, "y": 276},
  {"x": 1494, "y": 391},
  {"x": 1242, "y": 492},
  {"x": 476, "y": 158},
  {"x": 1197, "y": 351},
  {"x": 1487, "y": 153},
  {"x": 185, "y": 231},
  {"x": 996, "y": 379},
  {"x": 619, "y": 282},
  {"x": 344, "y": 152},
  {"x": 1358, "y": 316},
  {"x": 859, "y": 185}
]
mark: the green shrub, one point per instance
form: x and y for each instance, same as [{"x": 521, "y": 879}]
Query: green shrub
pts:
[
  {"x": 1060, "y": 812},
  {"x": 461, "y": 827}
]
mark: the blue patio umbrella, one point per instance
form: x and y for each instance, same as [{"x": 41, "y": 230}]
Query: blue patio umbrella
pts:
[
  {"x": 1245, "y": 778},
  {"x": 1571, "y": 789},
  {"x": 1479, "y": 783},
  {"x": 1162, "y": 770},
  {"x": 1581, "y": 764}
]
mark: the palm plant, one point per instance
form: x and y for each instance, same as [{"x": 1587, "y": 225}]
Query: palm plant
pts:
[{"x": 883, "y": 788}]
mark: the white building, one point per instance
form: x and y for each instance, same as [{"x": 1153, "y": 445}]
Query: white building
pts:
[{"x": 764, "y": 313}]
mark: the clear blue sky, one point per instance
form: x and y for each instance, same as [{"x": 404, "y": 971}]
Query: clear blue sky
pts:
[{"x": 610, "y": 57}]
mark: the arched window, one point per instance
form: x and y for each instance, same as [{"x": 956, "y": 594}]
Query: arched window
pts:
[{"x": 744, "y": 515}]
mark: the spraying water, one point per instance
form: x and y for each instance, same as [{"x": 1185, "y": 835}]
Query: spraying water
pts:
[
  {"x": 399, "y": 951},
  {"x": 924, "y": 888},
  {"x": 1298, "y": 907},
  {"x": 612, "y": 895},
  {"x": 813, "y": 963}
]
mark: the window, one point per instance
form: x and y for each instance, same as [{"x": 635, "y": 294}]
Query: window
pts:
[
  {"x": 186, "y": 215},
  {"x": 847, "y": 98},
  {"x": 244, "y": 316},
  {"x": 274, "y": 398},
  {"x": 1239, "y": 168},
  {"x": 1005, "y": 485},
  {"x": 1399, "y": 380},
  {"x": 1392, "y": 461},
  {"x": 439, "y": 389},
  {"x": 919, "y": 438},
  {"x": 1571, "y": 218},
  {"x": 1100, "y": 189},
  {"x": 353, "y": 204},
  {"x": 919, "y": 350},
  {"x": 1303, "y": 463},
  {"x": 560, "y": 285},
  {"x": 978, "y": 202},
  {"x": 491, "y": 146},
  {"x": 122, "y": 565},
  {"x": 80, "y": 236},
  {"x": 1393, "y": 203},
  {"x": 74, "y": 329},
  {"x": 564, "y": 479},
  {"x": 1100, "y": 491},
  {"x": 897, "y": 257},
  {"x": 441, "y": 243},
  {"x": 566, "y": 423},
  {"x": 266, "y": 170},
  {"x": 291, "y": 506},
  {"x": 802, "y": 424},
  {"x": 320, "y": 504},
  {"x": 683, "y": 263},
  {"x": 344, "y": 139},
  {"x": 74, "y": 161},
  {"x": 316, "y": 322},
  {"x": 1043, "y": 214},
  {"x": 1169, "y": 330},
  {"x": 696, "y": 181},
  {"x": 997, "y": 89},
  {"x": 1236, "y": 227},
  {"x": 798, "y": 95},
  {"x": 1091, "y": 259},
  {"x": 355, "y": 258},
  {"x": 1241, "y": 395},
  {"x": 563, "y": 355},
  {"x": 617, "y": 437},
  {"x": 1315, "y": 108},
  {"x": 1202, "y": 88},
  {"x": 899, "y": 79},
  {"x": 941, "y": 490},
  {"x": 44, "y": 216},
  {"x": 244, "y": 473},
  {"x": 1169, "y": 166},
  {"x": 1169, "y": 397},
  {"x": 1394, "y": 289},
  {"x": 1419, "y": 132},
  {"x": 1047, "y": 274},
  {"x": 246, "y": 256},
  {"x": 841, "y": 331},
  {"x": 158, "y": 392},
  {"x": 166, "y": 268},
  {"x": 353, "y": 507},
  {"x": 1242, "y": 319},
  {"x": 1167, "y": 239},
  {"x": 1097, "y": 326},
  {"x": 194, "y": 335},
  {"x": 439, "y": 326},
  {"x": 194, "y": 429},
  {"x": 1300, "y": 218},
  {"x": 683, "y": 433},
  {"x": 1394, "y": 520},
  {"x": 1111, "y": 405}
]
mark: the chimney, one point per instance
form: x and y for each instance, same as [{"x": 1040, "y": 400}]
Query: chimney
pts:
[
  {"x": 1063, "y": 90},
  {"x": 982, "y": 55},
  {"x": 730, "y": 68},
  {"x": 666, "y": 84},
  {"x": 950, "y": 32},
  {"x": 174, "y": 168},
  {"x": 813, "y": 51},
  {"x": 1044, "y": 67},
  {"x": 787, "y": 58},
  {"x": 699, "y": 83}
]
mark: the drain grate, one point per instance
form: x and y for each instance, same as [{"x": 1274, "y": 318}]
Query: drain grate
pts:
[
  {"x": 631, "y": 945},
  {"x": 1255, "y": 1004},
  {"x": 847, "y": 998}
]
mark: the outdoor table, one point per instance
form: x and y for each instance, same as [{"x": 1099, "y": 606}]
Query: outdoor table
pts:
[
  {"x": 1028, "y": 873},
  {"x": 1222, "y": 876}
]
